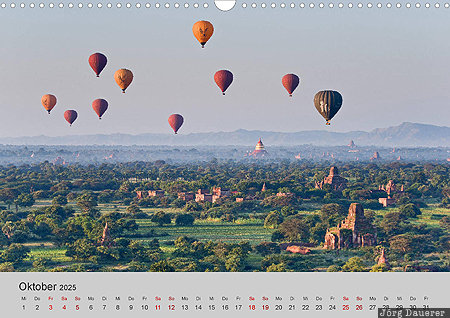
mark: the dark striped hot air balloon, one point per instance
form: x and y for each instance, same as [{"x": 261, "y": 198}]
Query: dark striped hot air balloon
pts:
[
  {"x": 223, "y": 79},
  {"x": 290, "y": 82},
  {"x": 175, "y": 121},
  {"x": 97, "y": 61},
  {"x": 48, "y": 101},
  {"x": 70, "y": 116},
  {"x": 328, "y": 104},
  {"x": 100, "y": 106}
]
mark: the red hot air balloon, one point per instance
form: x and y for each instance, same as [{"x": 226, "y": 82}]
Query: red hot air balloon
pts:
[
  {"x": 223, "y": 79},
  {"x": 70, "y": 116},
  {"x": 175, "y": 121},
  {"x": 290, "y": 82},
  {"x": 100, "y": 106},
  {"x": 98, "y": 62}
]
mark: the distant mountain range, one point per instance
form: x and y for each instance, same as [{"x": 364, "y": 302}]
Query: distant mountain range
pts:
[{"x": 405, "y": 135}]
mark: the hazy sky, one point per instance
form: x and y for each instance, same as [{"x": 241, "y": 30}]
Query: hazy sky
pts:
[{"x": 391, "y": 65}]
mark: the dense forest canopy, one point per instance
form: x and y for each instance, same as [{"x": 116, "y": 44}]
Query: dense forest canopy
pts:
[{"x": 274, "y": 216}]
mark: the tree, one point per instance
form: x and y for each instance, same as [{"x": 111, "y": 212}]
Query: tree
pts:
[
  {"x": 281, "y": 267},
  {"x": 266, "y": 248},
  {"x": 294, "y": 229},
  {"x": 184, "y": 219},
  {"x": 87, "y": 203},
  {"x": 445, "y": 223},
  {"x": 272, "y": 220},
  {"x": 81, "y": 249},
  {"x": 234, "y": 263},
  {"x": 133, "y": 209},
  {"x": 59, "y": 200},
  {"x": 8, "y": 196},
  {"x": 192, "y": 206},
  {"x": 161, "y": 266},
  {"x": 379, "y": 268},
  {"x": 277, "y": 236},
  {"x": 161, "y": 218},
  {"x": 393, "y": 223},
  {"x": 409, "y": 210},
  {"x": 334, "y": 268},
  {"x": 15, "y": 254},
  {"x": 410, "y": 243},
  {"x": 24, "y": 200},
  {"x": 8, "y": 229},
  {"x": 7, "y": 267},
  {"x": 354, "y": 264},
  {"x": 331, "y": 214}
]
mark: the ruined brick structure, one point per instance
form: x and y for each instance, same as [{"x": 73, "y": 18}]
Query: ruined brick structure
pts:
[
  {"x": 156, "y": 193},
  {"x": 334, "y": 179},
  {"x": 203, "y": 196},
  {"x": 151, "y": 193},
  {"x": 390, "y": 189},
  {"x": 382, "y": 259},
  {"x": 376, "y": 156},
  {"x": 186, "y": 196},
  {"x": 217, "y": 193},
  {"x": 354, "y": 231},
  {"x": 106, "y": 237}
]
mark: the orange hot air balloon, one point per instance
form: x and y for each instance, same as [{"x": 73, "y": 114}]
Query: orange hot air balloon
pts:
[
  {"x": 203, "y": 31},
  {"x": 48, "y": 101},
  {"x": 123, "y": 78}
]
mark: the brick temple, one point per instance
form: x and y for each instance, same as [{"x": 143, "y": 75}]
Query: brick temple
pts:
[
  {"x": 334, "y": 179},
  {"x": 354, "y": 231}
]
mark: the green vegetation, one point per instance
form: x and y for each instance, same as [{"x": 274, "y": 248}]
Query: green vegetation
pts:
[{"x": 89, "y": 218}]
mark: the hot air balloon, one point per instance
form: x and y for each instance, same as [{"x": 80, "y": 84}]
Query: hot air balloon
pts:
[
  {"x": 100, "y": 106},
  {"x": 48, "y": 101},
  {"x": 70, "y": 116},
  {"x": 123, "y": 78},
  {"x": 328, "y": 104},
  {"x": 175, "y": 121},
  {"x": 223, "y": 79},
  {"x": 203, "y": 30},
  {"x": 97, "y": 61},
  {"x": 290, "y": 82}
]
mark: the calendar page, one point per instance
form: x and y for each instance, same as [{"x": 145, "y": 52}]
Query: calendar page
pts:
[{"x": 225, "y": 158}]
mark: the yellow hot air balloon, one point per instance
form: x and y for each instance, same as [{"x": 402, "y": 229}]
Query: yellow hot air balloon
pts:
[
  {"x": 123, "y": 78},
  {"x": 48, "y": 101},
  {"x": 203, "y": 31}
]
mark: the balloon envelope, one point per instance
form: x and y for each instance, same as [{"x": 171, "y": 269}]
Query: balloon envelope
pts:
[
  {"x": 290, "y": 82},
  {"x": 203, "y": 30},
  {"x": 70, "y": 116},
  {"x": 48, "y": 101},
  {"x": 100, "y": 106},
  {"x": 223, "y": 79},
  {"x": 328, "y": 103},
  {"x": 123, "y": 78},
  {"x": 175, "y": 121},
  {"x": 97, "y": 61}
]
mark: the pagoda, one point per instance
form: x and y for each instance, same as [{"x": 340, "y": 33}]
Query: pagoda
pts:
[{"x": 259, "y": 150}]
